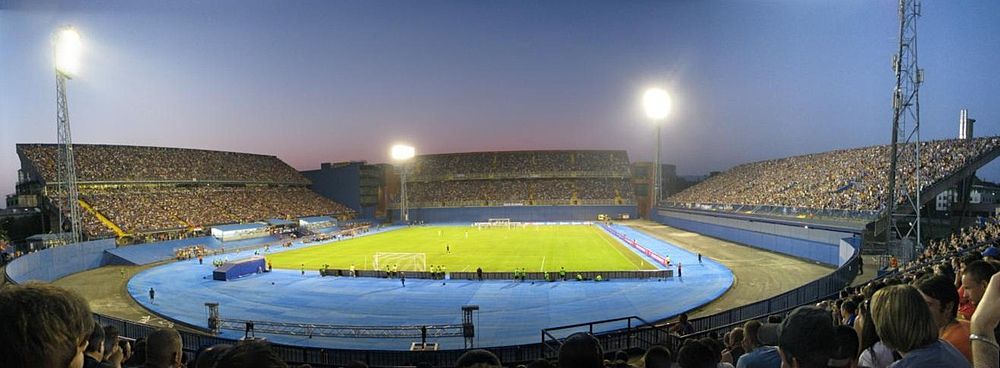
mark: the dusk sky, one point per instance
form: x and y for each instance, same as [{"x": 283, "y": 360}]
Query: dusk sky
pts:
[{"x": 326, "y": 81}]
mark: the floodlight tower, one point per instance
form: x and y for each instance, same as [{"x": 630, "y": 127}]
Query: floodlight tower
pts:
[
  {"x": 657, "y": 104},
  {"x": 67, "y": 55},
  {"x": 906, "y": 161},
  {"x": 402, "y": 153}
]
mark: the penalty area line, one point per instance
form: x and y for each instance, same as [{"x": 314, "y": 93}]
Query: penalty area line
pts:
[{"x": 543, "y": 265}]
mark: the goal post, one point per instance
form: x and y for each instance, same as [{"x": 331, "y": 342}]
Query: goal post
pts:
[
  {"x": 499, "y": 221},
  {"x": 405, "y": 261}
]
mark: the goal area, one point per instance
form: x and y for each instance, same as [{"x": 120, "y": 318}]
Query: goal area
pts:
[
  {"x": 403, "y": 261},
  {"x": 497, "y": 222}
]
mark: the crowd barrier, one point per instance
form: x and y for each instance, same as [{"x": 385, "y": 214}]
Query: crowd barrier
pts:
[{"x": 530, "y": 276}]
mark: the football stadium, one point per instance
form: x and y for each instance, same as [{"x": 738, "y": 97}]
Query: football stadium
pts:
[
  {"x": 510, "y": 251},
  {"x": 536, "y": 257}
]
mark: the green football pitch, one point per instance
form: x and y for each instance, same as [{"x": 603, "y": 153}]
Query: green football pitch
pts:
[{"x": 534, "y": 248}]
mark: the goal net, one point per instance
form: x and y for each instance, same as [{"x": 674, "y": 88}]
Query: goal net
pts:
[
  {"x": 404, "y": 261},
  {"x": 499, "y": 221}
]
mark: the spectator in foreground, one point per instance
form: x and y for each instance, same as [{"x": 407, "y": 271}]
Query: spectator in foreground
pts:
[
  {"x": 806, "y": 338},
  {"x": 138, "y": 357},
  {"x": 874, "y": 353},
  {"x": 846, "y": 353},
  {"x": 905, "y": 324},
  {"x": 734, "y": 346},
  {"x": 540, "y": 363},
  {"x": 942, "y": 299},
  {"x": 581, "y": 350},
  {"x": 163, "y": 349},
  {"x": 98, "y": 353},
  {"x": 253, "y": 354},
  {"x": 43, "y": 326},
  {"x": 94, "y": 353},
  {"x": 757, "y": 355},
  {"x": 113, "y": 347},
  {"x": 985, "y": 351},
  {"x": 975, "y": 277},
  {"x": 658, "y": 357},
  {"x": 208, "y": 357},
  {"x": 695, "y": 354},
  {"x": 478, "y": 358}
]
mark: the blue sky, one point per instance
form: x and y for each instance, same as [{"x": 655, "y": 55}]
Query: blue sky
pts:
[{"x": 320, "y": 81}]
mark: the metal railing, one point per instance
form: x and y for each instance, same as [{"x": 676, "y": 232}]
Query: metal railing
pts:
[
  {"x": 322, "y": 330},
  {"x": 638, "y": 333}
]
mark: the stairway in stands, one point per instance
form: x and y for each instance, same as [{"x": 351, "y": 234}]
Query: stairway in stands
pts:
[{"x": 104, "y": 220}]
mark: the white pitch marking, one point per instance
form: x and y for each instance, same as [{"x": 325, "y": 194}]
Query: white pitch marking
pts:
[{"x": 543, "y": 265}]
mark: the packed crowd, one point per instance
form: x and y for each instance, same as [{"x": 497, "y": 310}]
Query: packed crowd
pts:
[
  {"x": 112, "y": 163},
  {"x": 521, "y": 162},
  {"x": 853, "y": 179},
  {"x": 940, "y": 310},
  {"x": 142, "y": 209},
  {"x": 520, "y": 190}
]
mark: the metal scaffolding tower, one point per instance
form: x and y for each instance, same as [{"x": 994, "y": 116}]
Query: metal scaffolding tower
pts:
[
  {"x": 904, "y": 167},
  {"x": 66, "y": 170}
]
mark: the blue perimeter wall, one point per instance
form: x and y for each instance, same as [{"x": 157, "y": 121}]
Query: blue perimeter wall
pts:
[
  {"x": 53, "y": 263},
  {"x": 833, "y": 248},
  {"x": 518, "y": 213}
]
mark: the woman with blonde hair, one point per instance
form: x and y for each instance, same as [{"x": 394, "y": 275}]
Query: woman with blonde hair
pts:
[{"x": 904, "y": 323}]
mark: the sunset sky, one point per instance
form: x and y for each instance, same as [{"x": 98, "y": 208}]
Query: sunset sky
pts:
[{"x": 324, "y": 81}]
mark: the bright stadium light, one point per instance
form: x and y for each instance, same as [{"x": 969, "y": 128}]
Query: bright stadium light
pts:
[
  {"x": 656, "y": 103},
  {"x": 68, "y": 50},
  {"x": 402, "y": 152}
]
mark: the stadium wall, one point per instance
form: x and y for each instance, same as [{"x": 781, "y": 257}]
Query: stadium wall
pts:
[
  {"x": 53, "y": 263},
  {"x": 341, "y": 184},
  {"x": 829, "y": 247},
  {"x": 519, "y": 213}
]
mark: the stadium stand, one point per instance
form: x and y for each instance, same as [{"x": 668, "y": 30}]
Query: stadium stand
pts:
[
  {"x": 851, "y": 180},
  {"x": 522, "y": 178},
  {"x": 156, "y": 191}
]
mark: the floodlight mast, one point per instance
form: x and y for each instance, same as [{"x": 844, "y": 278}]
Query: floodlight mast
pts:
[
  {"x": 67, "y": 55},
  {"x": 403, "y": 153},
  {"x": 906, "y": 109},
  {"x": 657, "y": 104}
]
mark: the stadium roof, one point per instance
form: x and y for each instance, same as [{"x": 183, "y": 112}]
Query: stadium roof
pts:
[{"x": 236, "y": 227}]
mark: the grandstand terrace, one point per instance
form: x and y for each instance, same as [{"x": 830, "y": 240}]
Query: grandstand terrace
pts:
[
  {"x": 842, "y": 183},
  {"x": 131, "y": 190},
  {"x": 521, "y": 178}
]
